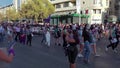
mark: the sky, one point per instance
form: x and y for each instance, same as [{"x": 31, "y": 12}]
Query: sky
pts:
[{"x": 5, "y": 2}]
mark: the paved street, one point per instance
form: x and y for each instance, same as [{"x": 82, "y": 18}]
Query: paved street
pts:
[{"x": 40, "y": 56}]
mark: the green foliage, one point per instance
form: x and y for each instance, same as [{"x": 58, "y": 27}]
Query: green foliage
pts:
[
  {"x": 36, "y": 9},
  {"x": 11, "y": 14},
  {"x": 1, "y": 17}
]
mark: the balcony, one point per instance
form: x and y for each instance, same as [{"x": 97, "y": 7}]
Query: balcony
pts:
[
  {"x": 65, "y": 9},
  {"x": 60, "y": 1},
  {"x": 97, "y": 6}
]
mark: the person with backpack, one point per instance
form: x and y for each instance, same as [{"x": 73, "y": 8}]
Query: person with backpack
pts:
[
  {"x": 117, "y": 32},
  {"x": 112, "y": 39}
]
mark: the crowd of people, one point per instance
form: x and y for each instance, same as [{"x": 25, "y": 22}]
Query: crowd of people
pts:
[
  {"x": 16, "y": 32},
  {"x": 10, "y": 34},
  {"x": 84, "y": 35},
  {"x": 72, "y": 35}
]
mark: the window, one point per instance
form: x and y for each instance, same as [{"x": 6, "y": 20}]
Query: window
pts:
[
  {"x": 74, "y": 4},
  {"x": 97, "y": 11},
  {"x": 83, "y": 2},
  {"x": 58, "y": 6},
  {"x": 66, "y": 4},
  {"x": 100, "y": 11},
  {"x": 110, "y": 3},
  {"x": 52, "y": 0},
  {"x": 107, "y": 2},
  {"x": 94, "y": 11},
  {"x": 98, "y": 2},
  {"x": 94, "y": 1}
]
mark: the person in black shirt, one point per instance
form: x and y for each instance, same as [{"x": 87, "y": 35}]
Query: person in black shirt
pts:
[
  {"x": 87, "y": 40},
  {"x": 72, "y": 51},
  {"x": 29, "y": 36}
]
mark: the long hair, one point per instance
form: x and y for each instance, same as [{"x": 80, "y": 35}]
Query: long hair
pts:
[{"x": 76, "y": 36}]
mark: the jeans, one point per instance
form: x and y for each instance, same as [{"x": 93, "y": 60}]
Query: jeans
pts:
[
  {"x": 87, "y": 48},
  {"x": 43, "y": 39}
]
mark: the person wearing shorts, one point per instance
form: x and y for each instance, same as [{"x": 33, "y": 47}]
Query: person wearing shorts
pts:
[
  {"x": 93, "y": 41},
  {"x": 72, "y": 51}
]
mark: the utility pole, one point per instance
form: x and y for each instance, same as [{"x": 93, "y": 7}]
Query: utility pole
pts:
[
  {"x": 78, "y": 7},
  {"x": 15, "y": 3}
]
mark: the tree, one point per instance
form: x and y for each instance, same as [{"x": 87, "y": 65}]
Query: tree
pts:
[
  {"x": 36, "y": 9},
  {"x": 1, "y": 17},
  {"x": 11, "y": 14}
]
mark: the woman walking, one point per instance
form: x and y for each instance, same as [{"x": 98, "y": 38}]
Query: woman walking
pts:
[
  {"x": 87, "y": 40},
  {"x": 72, "y": 51},
  {"x": 47, "y": 35}
]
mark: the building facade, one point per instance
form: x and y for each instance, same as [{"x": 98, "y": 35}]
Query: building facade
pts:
[
  {"x": 63, "y": 11},
  {"x": 18, "y": 3},
  {"x": 117, "y": 9},
  {"x": 114, "y": 11},
  {"x": 91, "y": 11}
]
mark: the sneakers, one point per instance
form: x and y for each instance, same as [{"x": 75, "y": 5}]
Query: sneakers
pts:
[{"x": 80, "y": 55}]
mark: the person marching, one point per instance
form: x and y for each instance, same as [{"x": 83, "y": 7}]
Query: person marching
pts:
[
  {"x": 72, "y": 51},
  {"x": 9, "y": 33},
  {"x": 112, "y": 39},
  {"x": 57, "y": 35},
  {"x": 87, "y": 40},
  {"x": 47, "y": 35},
  {"x": 29, "y": 36},
  {"x": 93, "y": 40},
  {"x": 81, "y": 43}
]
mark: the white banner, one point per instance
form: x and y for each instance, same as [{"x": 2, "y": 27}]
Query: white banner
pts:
[{"x": 78, "y": 6}]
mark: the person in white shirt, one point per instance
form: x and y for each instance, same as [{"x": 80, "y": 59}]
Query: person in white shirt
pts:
[
  {"x": 47, "y": 35},
  {"x": 17, "y": 29},
  {"x": 9, "y": 33}
]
